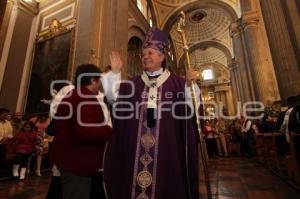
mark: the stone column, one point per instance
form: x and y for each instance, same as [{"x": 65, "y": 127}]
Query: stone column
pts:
[
  {"x": 235, "y": 81},
  {"x": 262, "y": 72},
  {"x": 292, "y": 18},
  {"x": 7, "y": 23},
  {"x": 84, "y": 31},
  {"x": 6, "y": 9},
  {"x": 218, "y": 96},
  {"x": 261, "y": 67},
  {"x": 223, "y": 94},
  {"x": 114, "y": 32},
  {"x": 13, "y": 58},
  {"x": 230, "y": 100},
  {"x": 241, "y": 72},
  {"x": 247, "y": 5},
  {"x": 102, "y": 27},
  {"x": 2, "y": 11},
  {"x": 286, "y": 66}
]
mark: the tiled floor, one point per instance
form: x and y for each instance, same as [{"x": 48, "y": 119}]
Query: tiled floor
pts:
[
  {"x": 32, "y": 187},
  {"x": 231, "y": 178}
]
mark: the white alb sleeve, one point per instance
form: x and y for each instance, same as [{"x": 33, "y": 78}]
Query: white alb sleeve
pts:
[{"x": 111, "y": 85}]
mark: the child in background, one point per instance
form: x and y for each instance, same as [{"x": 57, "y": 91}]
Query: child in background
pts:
[
  {"x": 41, "y": 122},
  {"x": 27, "y": 138}
]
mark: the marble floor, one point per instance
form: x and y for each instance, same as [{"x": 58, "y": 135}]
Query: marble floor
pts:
[
  {"x": 241, "y": 178},
  {"x": 33, "y": 187},
  {"x": 231, "y": 178}
]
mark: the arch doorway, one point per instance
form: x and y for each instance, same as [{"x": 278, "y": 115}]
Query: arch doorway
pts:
[{"x": 134, "y": 56}]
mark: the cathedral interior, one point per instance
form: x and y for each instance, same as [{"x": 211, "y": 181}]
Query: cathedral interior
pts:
[{"x": 244, "y": 51}]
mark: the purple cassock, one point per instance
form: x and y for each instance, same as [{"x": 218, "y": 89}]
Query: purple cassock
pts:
[{"x": 152, "y": 163}]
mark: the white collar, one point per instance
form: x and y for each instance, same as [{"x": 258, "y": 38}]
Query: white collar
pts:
[
  {"x": 153, "y": 87},
  {"x": 155, "y": 73}
]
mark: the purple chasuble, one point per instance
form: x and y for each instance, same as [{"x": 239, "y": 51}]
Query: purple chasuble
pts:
[{"x": 152, "y": 163}]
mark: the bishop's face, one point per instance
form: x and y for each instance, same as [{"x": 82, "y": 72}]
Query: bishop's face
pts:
[{"x": 152, "y": 59}]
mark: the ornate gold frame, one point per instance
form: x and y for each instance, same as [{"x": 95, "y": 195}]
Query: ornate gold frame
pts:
[
  {"x": 59, "y": 7},
  {"x": 56, "y": 29}
]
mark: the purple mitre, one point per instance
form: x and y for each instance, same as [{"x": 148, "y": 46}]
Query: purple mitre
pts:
[{"x": 156, "y": 39}]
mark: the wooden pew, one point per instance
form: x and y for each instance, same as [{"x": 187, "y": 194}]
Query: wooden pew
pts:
[
  {"x": 280, "y": 156},
  {"x": 294, "y": 160},
  {"x": 232, "y": 148},
  {"x": 264, "y": 145},
  {"x": 283, "y": 152},
  {"x": 260, "y": 147}
]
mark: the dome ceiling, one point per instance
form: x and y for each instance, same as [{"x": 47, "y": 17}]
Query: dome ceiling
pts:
[
  {"x": 203, "y": 24},
  {"x": 174, "y": 2},
  {"x": 179, "y": 2},
  {"x": 165, "y": 8},
  {"x": 207, "y": 55}
]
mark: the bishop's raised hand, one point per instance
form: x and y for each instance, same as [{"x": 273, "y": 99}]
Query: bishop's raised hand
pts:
[{"x": 115, "y": 61}]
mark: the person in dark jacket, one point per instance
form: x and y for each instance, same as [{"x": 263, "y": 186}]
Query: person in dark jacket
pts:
[
  {"x": 267, "y": 125},
  {"x": 81, "y": 134}
]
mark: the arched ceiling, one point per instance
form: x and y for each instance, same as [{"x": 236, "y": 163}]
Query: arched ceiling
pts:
[
  {"x": 203, "y": 24},
  {"x": 174, "y": 2},
  {"x": 207, "y": 55},
  {"x": 206, "y": 25},
  {"x": 164, "y": 9},
  {"x": 232, "y": 3},
  {"x": 205, "y": 21}
]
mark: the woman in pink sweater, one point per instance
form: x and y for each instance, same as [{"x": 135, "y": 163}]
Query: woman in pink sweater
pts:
[{"x": 27, "y": 138}]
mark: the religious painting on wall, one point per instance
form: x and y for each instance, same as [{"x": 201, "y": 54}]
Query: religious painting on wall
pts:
[{"x": 51, "y": 62}]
